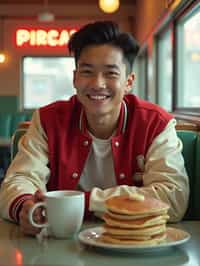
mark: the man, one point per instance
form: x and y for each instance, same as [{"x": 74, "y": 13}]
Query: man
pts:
[{"x": 103, "y": 141}]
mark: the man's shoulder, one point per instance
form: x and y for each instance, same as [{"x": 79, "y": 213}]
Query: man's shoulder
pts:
[
  {"x": 60, "y": 112},
  {"x": 145, "y": 108},
  {"x": 60, "y": 105}
]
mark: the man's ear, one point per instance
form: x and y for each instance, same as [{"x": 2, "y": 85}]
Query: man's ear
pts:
[{"x": 129, "y": 82}]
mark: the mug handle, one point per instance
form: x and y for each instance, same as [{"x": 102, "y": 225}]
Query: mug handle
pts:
[{"x": 31, "y": 211}]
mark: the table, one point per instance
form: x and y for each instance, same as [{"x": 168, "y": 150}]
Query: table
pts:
[{"x": 19, "y": 250}]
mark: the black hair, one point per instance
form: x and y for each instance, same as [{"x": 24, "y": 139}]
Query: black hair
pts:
[{"x": 104, "y": 32}]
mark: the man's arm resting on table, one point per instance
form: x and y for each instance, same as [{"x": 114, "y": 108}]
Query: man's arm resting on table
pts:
[{"x": 27, "y": 173}]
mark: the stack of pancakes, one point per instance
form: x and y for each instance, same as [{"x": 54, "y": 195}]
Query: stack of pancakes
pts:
[{"x": 135, "y": 220}]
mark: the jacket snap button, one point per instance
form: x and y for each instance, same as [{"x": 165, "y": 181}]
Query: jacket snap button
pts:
[
  {"x": 74, "y": 175},
  {"x": 122, "y": 175},
  {"x": 116, "y": 144},
  {"x": 85, "y": 143}
]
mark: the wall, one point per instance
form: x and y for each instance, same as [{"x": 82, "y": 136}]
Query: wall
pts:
[{"x": 147, "y": 16}]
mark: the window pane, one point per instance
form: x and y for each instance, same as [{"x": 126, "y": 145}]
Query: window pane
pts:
[
  {"x": 140, "y": 70},
  {"x": 189, "y": 60},
  {"x": 135, "y": 89},
  {"x": 47, "y": 79},
  {"x": 165, "y": 70}
]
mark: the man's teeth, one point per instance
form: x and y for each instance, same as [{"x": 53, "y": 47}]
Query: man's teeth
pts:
[{"x": 98, "y": 97}]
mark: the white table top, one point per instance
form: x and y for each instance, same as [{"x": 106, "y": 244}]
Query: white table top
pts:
[{"x": 19, "y": 250}]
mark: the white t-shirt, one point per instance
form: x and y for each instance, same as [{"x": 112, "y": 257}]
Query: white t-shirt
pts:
[{"x": 99, "y": 169}]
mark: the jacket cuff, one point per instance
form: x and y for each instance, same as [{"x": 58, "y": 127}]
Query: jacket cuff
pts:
[{"x": 16, "y": 206}]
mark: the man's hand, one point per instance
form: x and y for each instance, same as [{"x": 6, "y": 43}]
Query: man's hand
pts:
[{"x": 25, "y": 225}]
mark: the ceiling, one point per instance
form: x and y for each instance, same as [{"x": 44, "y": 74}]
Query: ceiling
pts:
[
  {"x": 14, "y": 9},
  {"x": 59, "y": 2}
]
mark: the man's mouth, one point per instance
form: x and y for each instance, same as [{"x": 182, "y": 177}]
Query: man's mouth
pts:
[{"x": 98, "y": 97}]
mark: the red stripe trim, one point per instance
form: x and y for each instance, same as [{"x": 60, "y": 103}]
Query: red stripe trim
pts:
[{"x": 16, "y": 205}]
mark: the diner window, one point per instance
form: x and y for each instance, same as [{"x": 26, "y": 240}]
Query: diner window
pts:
[
  {"x": 140, "y": 70},
  {"x": 46, "y": 79},
  {"x": 164, "y": 69},
  {"x": 188, "y": 60},
  {"x": 135, "y": 88}
]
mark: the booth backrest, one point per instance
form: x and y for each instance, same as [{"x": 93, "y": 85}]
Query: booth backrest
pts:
[
  {"x": 9, "y": 122},
  {"x": 196, "y": 185},
  {"x": 15, "y": 141},
  {"x": 191, "y": 156}
]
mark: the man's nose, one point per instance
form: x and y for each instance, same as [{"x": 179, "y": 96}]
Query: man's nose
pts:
[{"x": 98, "y": 81}]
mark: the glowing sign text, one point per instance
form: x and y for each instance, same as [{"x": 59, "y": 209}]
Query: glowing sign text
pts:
[{"x": 40, "y": 37}]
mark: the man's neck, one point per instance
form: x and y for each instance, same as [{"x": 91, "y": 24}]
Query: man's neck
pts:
[{"x": 102, "y": 127}]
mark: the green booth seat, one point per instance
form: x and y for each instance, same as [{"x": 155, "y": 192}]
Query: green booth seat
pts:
[
  {"x": 5, "y": 124},
  {"x": 196, "y": 202},
  {"x": 15, "y": 141},
  {"x": 9, "y": 122},
  {"x": 190, "y": 140}
]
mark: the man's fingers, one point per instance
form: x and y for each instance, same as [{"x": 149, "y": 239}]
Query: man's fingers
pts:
[
  {"x": 38, "y": 196},
  {"x": 25, "y": 224},
  {"x": 38, "y": 217}
]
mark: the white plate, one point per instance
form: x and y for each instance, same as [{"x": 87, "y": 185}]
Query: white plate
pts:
[{"x": 174, "y": 237}]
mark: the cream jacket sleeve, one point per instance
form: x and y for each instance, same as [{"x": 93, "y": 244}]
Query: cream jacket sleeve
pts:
[
  {"x": 28, "y": 172},
  {"x": 164, "y": 176}
]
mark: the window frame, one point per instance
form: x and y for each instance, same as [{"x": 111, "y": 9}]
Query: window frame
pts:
[
  {"x": 143, "y": 55},
  {"x": 182, "y": 15},
  {"x": 167, "y": 27}
]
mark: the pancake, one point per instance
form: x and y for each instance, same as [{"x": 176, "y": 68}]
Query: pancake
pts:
[
  {"x": 132, "y": 217},
  {"x": 147, "y": 231},
  {"x": 134, "y": 220},
  {"x": 136, "y": 223},
  {"x": 130, "y": 206},
  {"x": 106, "y": 238}
]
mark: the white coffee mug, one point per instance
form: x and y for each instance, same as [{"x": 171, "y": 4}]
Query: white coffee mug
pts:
[{"x": 65, "y": 211}]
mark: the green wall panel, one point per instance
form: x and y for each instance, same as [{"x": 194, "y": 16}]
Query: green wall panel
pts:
[{"x": 9, "y": 103}]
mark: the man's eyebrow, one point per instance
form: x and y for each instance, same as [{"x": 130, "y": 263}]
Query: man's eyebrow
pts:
[
  {"x": 112, "y": 66},
  {"x": 109, "y": 66},
  {"x": 85, "y": 65}
]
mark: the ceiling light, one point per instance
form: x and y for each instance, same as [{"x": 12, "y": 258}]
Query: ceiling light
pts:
[
  {"x": 46, "y": 15},
  {"x": 109, "y": 6},
  {"x": 2, "y": 57}
]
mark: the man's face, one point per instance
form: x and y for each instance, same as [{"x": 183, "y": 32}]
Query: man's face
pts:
[{"x": 100, "y": 79}]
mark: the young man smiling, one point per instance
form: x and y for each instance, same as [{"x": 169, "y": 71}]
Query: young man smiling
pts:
[{"x": 103, "y": 141}]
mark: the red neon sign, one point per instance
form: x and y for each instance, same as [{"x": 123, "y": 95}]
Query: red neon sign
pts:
[{"x": 43, "y": 38}]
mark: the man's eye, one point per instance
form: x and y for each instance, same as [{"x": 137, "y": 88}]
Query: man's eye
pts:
[
  {"x": 86, "y": 72},
  {"x": 112, "y": 74}
]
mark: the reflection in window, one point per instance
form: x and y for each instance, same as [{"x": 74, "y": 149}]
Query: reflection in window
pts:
[
  {"x": 46, "y": 79},
  {"x": 189, "y": 59},
  {"x": 164, "y": 70}
]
